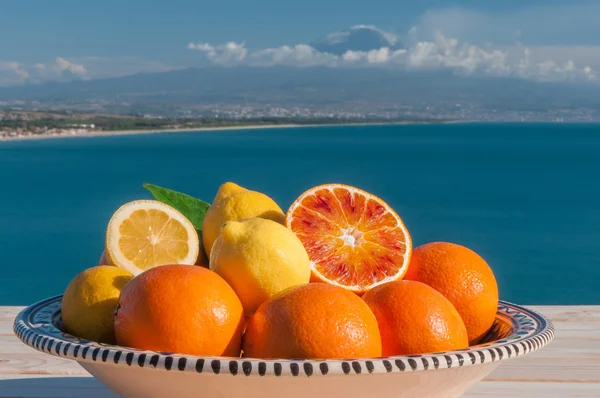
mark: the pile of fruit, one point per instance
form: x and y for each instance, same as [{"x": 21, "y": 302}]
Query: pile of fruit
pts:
[{"x": 334, "y": 277}]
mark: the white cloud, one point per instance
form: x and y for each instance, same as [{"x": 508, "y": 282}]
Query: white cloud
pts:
[
  {"x": 582, "y": 55},
  {"x": 228, "y": 53},
  {"x": 340, "y": 37},
  {"x": 573, "y": 22},
  {"x": 58, "y": 69},
  {"x": 562, "y": 39},
  {"x": 336, "y": 37},
  {"x": 233, "y": 53},
  {"x": 12, "y": 73},
  {"x": 353, "y": 56},
  {"x": 440, "y": 52},
  {"x": 89, "y": 67},
  {"x": 443, "y": 52},
  {"x": 103, "y": 67},
  {"x": 298, "y": 55},
  {"x": 14, "y": 68},
  {"x": 66, "y": 66},
  {"x": 382, "y": 56},
  {"x": 389, "y": 36}
]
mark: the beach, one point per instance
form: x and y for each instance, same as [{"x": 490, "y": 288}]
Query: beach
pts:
[
  {"x": 139, "y": 132},
  {"x": 110, "y": 133}
]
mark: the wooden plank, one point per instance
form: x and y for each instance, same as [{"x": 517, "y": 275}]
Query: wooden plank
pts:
[
  {"x": 562, "y": 370},
  {"x": 514, "y": 389},
  {"x": 40, "y": 364},
  {"x": 28, "y": 386},
  {"x": 6, "y": 327},
  {"x": 85, "y": 386},
  {"x": 17, "y": 358},
  {"x": 9, "y": 312},
  {"x": 569, "y": 313}
]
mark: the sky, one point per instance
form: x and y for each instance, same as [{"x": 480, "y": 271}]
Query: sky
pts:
[{"x": 44, "y": 40}]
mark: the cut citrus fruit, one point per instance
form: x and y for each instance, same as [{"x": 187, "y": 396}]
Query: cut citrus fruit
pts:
[
  {"x": 354, "y": 239},
  {"x": 144, "y": 234}
]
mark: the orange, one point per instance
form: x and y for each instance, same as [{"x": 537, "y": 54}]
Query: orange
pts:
[
  {"x": 415, "y": 319},
  {"x": 313, "y": 321},
  {"x": 184, "y": 309},
  {"x": 464, "y": 278},
  {"x": 354, "y": 239}
]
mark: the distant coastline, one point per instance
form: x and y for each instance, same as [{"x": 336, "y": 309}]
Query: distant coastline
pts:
[{"x": 111, "y": 133}]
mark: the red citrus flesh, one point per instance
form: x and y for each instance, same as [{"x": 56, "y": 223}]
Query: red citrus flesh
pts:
[{"x": 353, "y": 238}]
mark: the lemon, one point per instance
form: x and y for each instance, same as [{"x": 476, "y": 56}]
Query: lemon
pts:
[
  {"x": 90, "y": 301},
  {"x": 259, "y": 258},
  {"x": 234, "y": 203},
  {"x": 144, "y": 234}
]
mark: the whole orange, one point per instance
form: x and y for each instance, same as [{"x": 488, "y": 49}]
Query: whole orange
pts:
[
  {"x": 415, "y": 319},
  {"x": 184, "y": 309},
  {"x": 463, "y": 277},
  {"x": 313, "y": 321}
]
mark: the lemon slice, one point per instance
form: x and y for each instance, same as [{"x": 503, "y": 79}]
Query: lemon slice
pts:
[{"x": 144, "y": 234}]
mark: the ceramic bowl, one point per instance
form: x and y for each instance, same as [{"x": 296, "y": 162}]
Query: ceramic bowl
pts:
[{"x": 133, "y": 373}]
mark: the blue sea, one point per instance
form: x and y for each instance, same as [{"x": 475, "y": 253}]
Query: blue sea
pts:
[{"x": 526, "y": 197}]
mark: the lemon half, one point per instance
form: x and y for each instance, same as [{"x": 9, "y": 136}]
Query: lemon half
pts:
[{"x": 144, "y": 234}]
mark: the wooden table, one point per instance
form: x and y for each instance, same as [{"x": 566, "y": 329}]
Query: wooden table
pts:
[{"x": 568, "y": 367}]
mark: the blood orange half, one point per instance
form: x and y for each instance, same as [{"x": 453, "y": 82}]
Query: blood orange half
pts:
[{"x": 354, "y": 239}]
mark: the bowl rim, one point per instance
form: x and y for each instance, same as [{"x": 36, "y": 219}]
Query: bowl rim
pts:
[{"x": 35, "y": 327}]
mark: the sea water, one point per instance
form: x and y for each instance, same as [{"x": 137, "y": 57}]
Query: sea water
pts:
[{"x": 526, "y": 197}]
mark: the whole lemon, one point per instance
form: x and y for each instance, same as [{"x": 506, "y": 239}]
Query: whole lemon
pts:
[
  {"x": 90, "y": 301},
  {"x": 259, "y": 258},
  {"x": 234, "y": 203}
]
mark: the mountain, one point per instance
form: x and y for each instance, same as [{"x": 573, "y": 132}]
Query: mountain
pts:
[
  {"x": 349, "y": 88},
  {"x": 356, "y": 38},
  {"x": 313, "y": 86}
]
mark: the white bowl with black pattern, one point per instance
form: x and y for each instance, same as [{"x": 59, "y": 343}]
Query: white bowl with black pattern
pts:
[{"x": 136, "y": 373}]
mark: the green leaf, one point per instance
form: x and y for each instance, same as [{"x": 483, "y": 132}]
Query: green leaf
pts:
[{"x": 193, "y": 209}]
